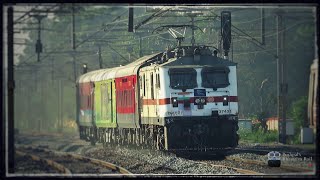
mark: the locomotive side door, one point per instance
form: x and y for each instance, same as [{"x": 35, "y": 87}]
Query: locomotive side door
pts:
[
  {"x": 111, "y": 107},
  {"x": 91, "y": 102},
  {"x": 152, "y": 110},
  {"x": 142, "y": 96}
]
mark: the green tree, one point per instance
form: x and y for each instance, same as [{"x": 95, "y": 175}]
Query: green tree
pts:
[{"x": 299, "y": 112}]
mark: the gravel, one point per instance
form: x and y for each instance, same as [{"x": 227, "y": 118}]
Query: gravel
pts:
[{"x": 154, "y": 162}]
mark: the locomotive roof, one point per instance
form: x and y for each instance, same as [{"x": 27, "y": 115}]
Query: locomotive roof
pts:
[{"x": 204, "y": 61}]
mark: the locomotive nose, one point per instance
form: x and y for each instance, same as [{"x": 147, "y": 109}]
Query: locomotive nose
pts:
[{"x": 200, "y": 129}]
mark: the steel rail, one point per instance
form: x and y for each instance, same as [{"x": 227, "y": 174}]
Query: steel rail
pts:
[
  {"x": 108, "y": 165},
  {"x": 59, "y": 167},
  {"x": 255, "y": 162}
]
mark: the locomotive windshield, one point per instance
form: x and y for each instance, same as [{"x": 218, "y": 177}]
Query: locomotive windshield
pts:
[
  {"x": 215, "y": 77},
  {"x": 183, "y": 78}
]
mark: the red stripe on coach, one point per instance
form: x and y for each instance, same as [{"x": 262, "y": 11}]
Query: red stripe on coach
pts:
[{"x": 210, "y": 99}]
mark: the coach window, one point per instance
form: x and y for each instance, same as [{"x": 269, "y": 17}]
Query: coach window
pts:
[
  {"x": 144, "y": 85},
  {"x": 129, "y": 98},
  {"x": 125, "y": 98},
  {"x": 152, "y": 88},
  {"x": 102, "y": 98},
  {"x": 183, "y": 78},
  {"x": 119, "y": 98},
  {"x": 215, "y": 77},
  {"x": 158, "y": 81}
]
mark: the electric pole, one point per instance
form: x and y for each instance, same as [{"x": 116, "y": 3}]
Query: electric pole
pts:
[
  {"x": 100, "y": 58},
  {"x": 262, "y": 27},
  {"x": 38, "y": 44},
  {"x": 74, "y": 45},
  {"x": 10, "y": 86},
  {"x": 130, "y": 19},
  {"x": 226, "y": 32},
  {"x": 192, "y": 38},
  {"x": 35, "y": 76},
  {"x": 140, "y": 45},
  {"x": 281, "y": 78},
  {"x": 59, "y": 106},
  {"x": 52, "y": 70}
]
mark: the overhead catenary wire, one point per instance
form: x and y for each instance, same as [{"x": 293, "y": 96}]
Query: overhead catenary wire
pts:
[
  {"x": 142, "y": 37},
  {"x": 286, "y": 29},
  {"x": 164, "y": 38}
]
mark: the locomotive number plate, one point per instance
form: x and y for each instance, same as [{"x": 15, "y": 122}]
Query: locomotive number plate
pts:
[
  {"x": 225, "y": 111},
  {"x": 199, "y": 92},
  {"x": 174, "y": 113}
]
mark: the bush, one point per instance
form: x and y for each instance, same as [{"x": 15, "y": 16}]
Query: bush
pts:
[
  {"x": 299, "y": 113},
  {"x": 258, "y": 136}
]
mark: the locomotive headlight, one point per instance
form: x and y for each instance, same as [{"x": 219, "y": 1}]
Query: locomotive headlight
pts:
[
  {"x": 174, "y": 101},
  {"x": 200, "y": 101},
  {"x": 203, "y": 101},
  {"x": 225, "y": 101}
]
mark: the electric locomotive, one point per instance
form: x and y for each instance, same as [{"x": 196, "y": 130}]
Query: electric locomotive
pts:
[{"x": 181, "y": 99}]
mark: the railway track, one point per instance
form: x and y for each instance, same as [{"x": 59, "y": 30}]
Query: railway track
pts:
[
  {"x": 285, "y": 168},
  {"x": 244, "y": 164},
  {"x": 238, "y": 170},
  {"x": 250, "y": 167},
  {"x": 52, "y": 164},
  {"x": 262, "y": 150},
  {"x": 245, "y": 161},
  {"x": 70, "y": 164}
]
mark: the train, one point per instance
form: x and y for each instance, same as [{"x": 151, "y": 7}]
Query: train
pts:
[{"x": 184, "y": 98}]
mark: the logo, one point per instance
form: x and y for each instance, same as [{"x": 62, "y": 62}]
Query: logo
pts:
[
  {"x": 274, "y": 155},
  {"x": 199, "y": 92},
  {"x": 274, "y": 159}
]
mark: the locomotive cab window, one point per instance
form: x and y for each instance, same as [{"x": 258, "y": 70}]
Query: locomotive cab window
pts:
[
  {"x": 215, "y": 77},
  {"x": 183, "y": 78}
]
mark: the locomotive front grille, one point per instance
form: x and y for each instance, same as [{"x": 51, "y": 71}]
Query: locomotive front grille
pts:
[{"x": 199, "y": 132}]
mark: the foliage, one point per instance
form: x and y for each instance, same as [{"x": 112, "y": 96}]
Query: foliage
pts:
[
  {"x": 299, "y": 112},
  {"x": 296, "y": 138},
  {"x": 258, "y": 136},
  {"x": 256, "y": 64}
]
